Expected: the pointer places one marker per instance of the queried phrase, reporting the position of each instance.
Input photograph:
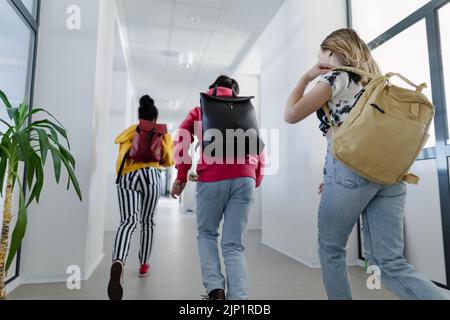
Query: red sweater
(253, 167)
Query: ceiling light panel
(195, 17)
(157, 12)
(189, 39)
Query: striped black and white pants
(138, 193)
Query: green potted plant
(28, 142)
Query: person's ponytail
(147, 109)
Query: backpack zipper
(377, 107)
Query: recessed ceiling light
(195, 20)
(186, 60)
(175, 105)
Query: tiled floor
(175, 271)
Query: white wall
(72, 82)
(289, 47)
(100, 134)
(122, 115)
(249, 84)
(248, 76)
(120, 103)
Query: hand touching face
(317, 70)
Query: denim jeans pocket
(208, 190)
(245, 189)
(346, 177)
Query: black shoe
(115, 287)
(218, 295)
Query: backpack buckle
(411, 179)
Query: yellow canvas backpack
(385, 131)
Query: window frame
(33, 24)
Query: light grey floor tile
(175, 272)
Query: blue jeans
(231, 201)
(346, 197)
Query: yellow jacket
(125, 141)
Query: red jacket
(253, 167)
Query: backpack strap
(358, 72)
(411, 179)
(151, 134)
(419, 88)
(216, 89)
(328, 114)
(121, 168)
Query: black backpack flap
(223, 113)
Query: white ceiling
(156, 31)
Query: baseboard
(359, 263)
(309, 265)
(13, 285)
(92, 267)
(39, 280)
(62, 278)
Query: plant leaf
(53, 132)
(6, 123)
(37, 110)
(14, 170)
(3, 167)
(73, 178)
(43, 144)
(37, 189)
(19, 230)
(5, 150)
(30, 173)
(34, 165)
(24, 144)
(66, 154)
(23, 110)
(56, 163)
(60, 129)
(5, 100)
(12, 112)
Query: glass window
(407, 53)
(422, 198)
(31, 5)
(444, 18)
(16, 43)
(17, 40)
(371, 18)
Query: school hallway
(175, 270)
(90, 63)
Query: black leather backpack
(230, 113)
